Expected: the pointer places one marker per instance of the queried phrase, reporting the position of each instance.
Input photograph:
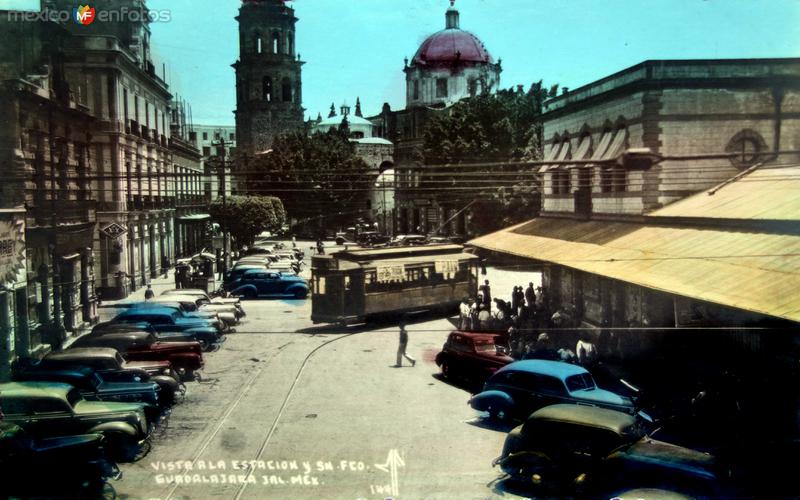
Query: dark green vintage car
(75, 466)
(569, 450)
(51, 409)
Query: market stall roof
(743, 269)
(767, 193)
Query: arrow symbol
(393, 461)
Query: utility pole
(222, 166)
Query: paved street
(323, 414)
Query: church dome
(451, 45)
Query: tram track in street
(222, 421)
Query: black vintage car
(52, 409)
(569, 450)
(110, 364)
(94, 388)
(70, 465)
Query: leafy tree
(319, 178)
(501, 127)
(247, 216)
(488, 127)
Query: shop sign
(114, 230)
(12, 249)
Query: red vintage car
(473, 356)
(137, 345)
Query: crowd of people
(524, 320)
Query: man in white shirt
(464, 312)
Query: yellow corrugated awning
(758, 272)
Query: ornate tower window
(257, 42)
(286, 90)
(276, 43)
(266, 89)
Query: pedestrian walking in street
(401, 348)
(294, 242)
(473, 313)
(149, 294)
(486, 290)
(484, 318)
(320, 247)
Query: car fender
(441, 357)
(244, 290)
(189, 360)
(491, 399)
(166, 381)
(297, 286)
(107, 427)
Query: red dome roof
(449, 46)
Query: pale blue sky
(356, 47)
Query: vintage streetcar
(354, 286)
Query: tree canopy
(488, 127)
(502, 127)
(319, 177)
(245, 217)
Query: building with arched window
(268, 81)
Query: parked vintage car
(408, 239)
(238, 270)
(185, 336)
(109, 363)
(170, 323)
(257, 283)
(70, 466)
(203, 294)
(522, 387)
(138, 345)
(50, 409)
(471, 356)
(94, 388)
(229, 313)
(209, 318)
(597, 453)
(283, 268)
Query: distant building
(268, 75)
(212, 141)
(449, 65)
(376, 152)
(680, 208)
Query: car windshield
(485, 348)
(582, 382)
(74, 397)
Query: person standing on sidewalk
(149, 294)
(401, 348)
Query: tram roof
(400, 251)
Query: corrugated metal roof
(758, 272)
(768, 193)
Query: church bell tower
(268, 85)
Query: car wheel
(445, 369)
(250, 294)
(497, 414)
(123, 447)
(300, 294)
